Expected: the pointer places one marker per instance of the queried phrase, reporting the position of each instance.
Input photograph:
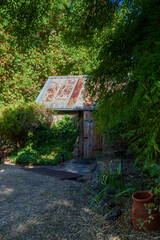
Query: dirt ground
(38, 207)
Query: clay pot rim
(142, 200)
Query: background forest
(116, 43)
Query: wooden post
(81, 134)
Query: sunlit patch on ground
(5, 191)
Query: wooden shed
(66, 94)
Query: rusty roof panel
(75, 93)
(65, 93)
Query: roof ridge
(68, 76)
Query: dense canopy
(117, 43)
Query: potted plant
(145, 213)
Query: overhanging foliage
(126, 78)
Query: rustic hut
(66, 94)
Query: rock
(114, 215)
(93, 166)
(83, 179)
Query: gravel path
(34, 206)
(38, 207)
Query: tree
(22, 18)
(26, 62)
(125, 81)
(22, 74)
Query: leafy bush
(28, 127)
(29, 155)
(46, 143)
(61, 135)
(17, 121)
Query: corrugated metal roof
(65, 93)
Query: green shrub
(29, 155)
(61, 136)
(46, 143)
(17, 121)
(28, 127)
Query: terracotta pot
(140, 213)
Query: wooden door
(92, 145)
